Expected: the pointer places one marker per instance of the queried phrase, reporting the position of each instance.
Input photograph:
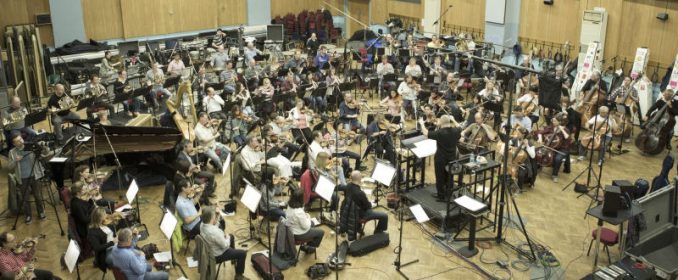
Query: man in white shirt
(413, 69)
(220, 58)
(176, 66)
(384, 68)
(601, 123)
(518, 119)
(253, 158)
(214, 104)
(220, 244)
(251, 51)
(315, 148)
(207, 137)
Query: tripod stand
(398, 250)
(30, 183)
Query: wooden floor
(553, 218)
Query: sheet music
(224, 167)
(123, 208)
(168, 224)
(425, 148)
(132, 191)
(191, 262)
(419, 213)
(470, 204)
(58, 159)
(250, 198)
(163, 256)
(315, 149)
(383, 173)
(71, 256)
(325, 188)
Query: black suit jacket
(97, 239)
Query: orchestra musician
(271, 70)
(185, 207)
(521, 167)
(101, 98)
(595, 82)
(413, 69)
(156, 78)
(266, 90)
(251, 51)
(518, 118)
(242, 97)
(603, 125)
(229, 78)
(91, 187)
(100, 237)
(252, 73)
(625, 95)
(478, 134)
(107, 69)
(237, 125)
(219, 39)
(669, 99)
(281, 128)
(191, 155)
(214, 104)
(349, 112)
(312, 44)
(299, 223)
(492, 95)
(26, 169)
(59, 113)
(556, 136)
(320, 145)
(301, 118)
(20, 262)
(206, 133)
(384, 68)
(81, 208)
(220, 59)
(429, 117)
(394, 107)
(253, 158)
(447, 135)
(132, 262)
(332, 81)
(317, 101)
(435, 43)
(175, 66)
(121, 88)
(296, 62)
(322, 58)
(220, 244)
(340, 149)
(530, 104)
(275, 158)
(437, 69)
(355, 194)
(289, 88)
(409, 90)
(380, 138)
(14, 121)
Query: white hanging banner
(673, 82)
(586, 70)
(640, 62)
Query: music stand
(85, 103)
(251, 198)
(403, 52)
(171, 81)
(167, 225)
(261, 57)
(35, 117)
(347, 86)
(71, 257)
(383, 174)
(390, 78)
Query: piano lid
(124, 139)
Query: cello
(546, 153)
(656, 134)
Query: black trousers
(43, 274)
(442, 178)
(240, 256)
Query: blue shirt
(320, 60)
(186, 208)
(132, 264)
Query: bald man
(447, 135)
(365, 211)
(61, 114)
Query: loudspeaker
(625, 186)
(612, 201)
(548, 2)
(43, 19)
(662, 16)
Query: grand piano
(146, 154)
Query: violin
(195, 190)
(27, 244)
(113, 218)
(386, 125)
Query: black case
(260, 264)
(368, 244)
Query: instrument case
(658, 242)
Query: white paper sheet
(163, 256)
(425, 148)
(83, 139)
(469, 204)
(325, 188)
(167, 225)
(419, 213)
(72, 254)
(250, 198)
(132, 191)
(383, 173)
(227, 162)
(123, 208)
(314, 222)
(58, 159)
(191, 262)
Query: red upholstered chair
(608, 238)
(117, 274)
(302, 243)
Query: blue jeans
(381, 217)
(155, 275)
(216, 159)
(131, 105)
(558, 160)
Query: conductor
(447, 137)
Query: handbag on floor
(260, 263)
(368, 244)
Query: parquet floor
(553, 218)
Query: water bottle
(472, 158)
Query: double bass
(656, 134)
(589, 104)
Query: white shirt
(414, 71)
(213, 103)
(108, 232)
(215, 239)
(251, 158)
(528, 98)
(205, 136)
(383, 69)
(175, 67)
(297, 221)
(601, 122)
(406, 91)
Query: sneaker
(555, 179)
(580, 158)
(600, 162)
(129, 114)
(28, 220)
(42, 216)
(362, 168)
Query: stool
(302, 243)
(608, 237)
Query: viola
(27, 244)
